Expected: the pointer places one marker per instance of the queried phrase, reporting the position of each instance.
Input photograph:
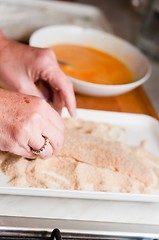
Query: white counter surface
(145, 213)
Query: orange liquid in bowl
(92, 65)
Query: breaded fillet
(106, 154)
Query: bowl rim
(134, 83)
(97, 85)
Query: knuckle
(45, 56)
(20, 132)
(33, 119)
(49, 52)
(37, 111)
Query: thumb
(30, 88)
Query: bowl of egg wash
(98, 63)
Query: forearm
(4, 60)
(3, 40)
(1, 34)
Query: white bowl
(117, 47)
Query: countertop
(109, 211)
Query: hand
(21, 66)
(24, 120)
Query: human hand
(21, 66)
(25, 121)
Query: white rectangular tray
(138, 127)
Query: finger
(38, 142)
(60, 81)
(58, 102)
(56, 137)
(23, 151)
(54, 119)
(46, 153)
(31, 89)
(69, 98)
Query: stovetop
(19, 228)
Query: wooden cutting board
(135, 101)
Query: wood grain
(135, 101)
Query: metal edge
(78, 226)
